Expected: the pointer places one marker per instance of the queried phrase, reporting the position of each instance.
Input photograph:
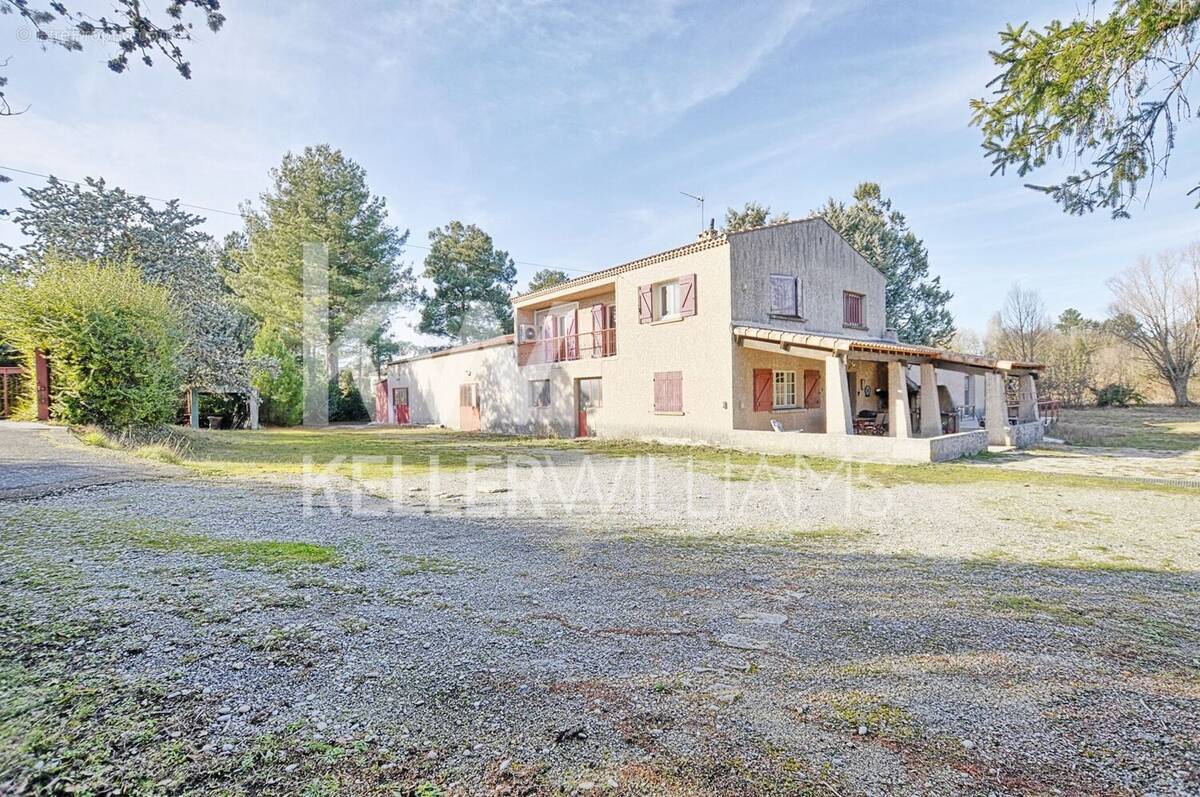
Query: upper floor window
(668, 300)
(785, 295)
(852, 309)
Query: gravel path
(482, 635)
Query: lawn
(1155, 428)
(380, 453)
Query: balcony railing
(579, 346)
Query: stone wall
(1025, 434)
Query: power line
(239, 215)
(155, 198)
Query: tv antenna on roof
(699, 199)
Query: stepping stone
(742, 642)
(762, 618)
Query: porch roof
(890, 349)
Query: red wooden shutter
(645, 304)
(812, 390)
(687, 295)
(598, 330)
(764, 380)
(668, 391)
(852, 308)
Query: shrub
(345, 399)
(1118, 395)
(112, 339)
(281, 388)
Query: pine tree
(319, 196)
(916, 302)
(472, 283)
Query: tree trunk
(1179, 385)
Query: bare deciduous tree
(1156, 308)
(1022, 327)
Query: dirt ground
(568, 620)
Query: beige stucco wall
(433, 384)
(744, 417)
(699, 346)
(826, 265)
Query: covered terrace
(901, 426)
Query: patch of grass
(349, 453)
(1111, 563)
(1028, 607)
(382, 454)
(1150, 428)
(244, 553)
(857, 710)
(159, 452)
(96, 438)
(411, 565)
(826, 533)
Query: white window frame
(535, 390)
(794, 312)
(661, 291)
(777, 383)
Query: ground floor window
(668, 391)
(785, 390)
(539, 392)
(589, 393)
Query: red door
(587, 401)
(381, 407)
(400, 401)
(41, 367)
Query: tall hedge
(112, 338)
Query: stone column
(899, 420)
(194, 407)
(1028, 410)
(996, 411)
(931, 408)
(837, 397)
(253, 409)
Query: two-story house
(772, 339)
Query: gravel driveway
(480, 636)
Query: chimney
(710, 233)
(890, 334)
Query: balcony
(567, 348)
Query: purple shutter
(548, 342)
(668, 391)
(687, 295)
(572, 336)
(598, 312)
(645, 304)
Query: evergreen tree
(546, 278)
(916, 302)
(472, 282)
(750, 216)
(319, 196)
(1105, 91)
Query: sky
(568, 130)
